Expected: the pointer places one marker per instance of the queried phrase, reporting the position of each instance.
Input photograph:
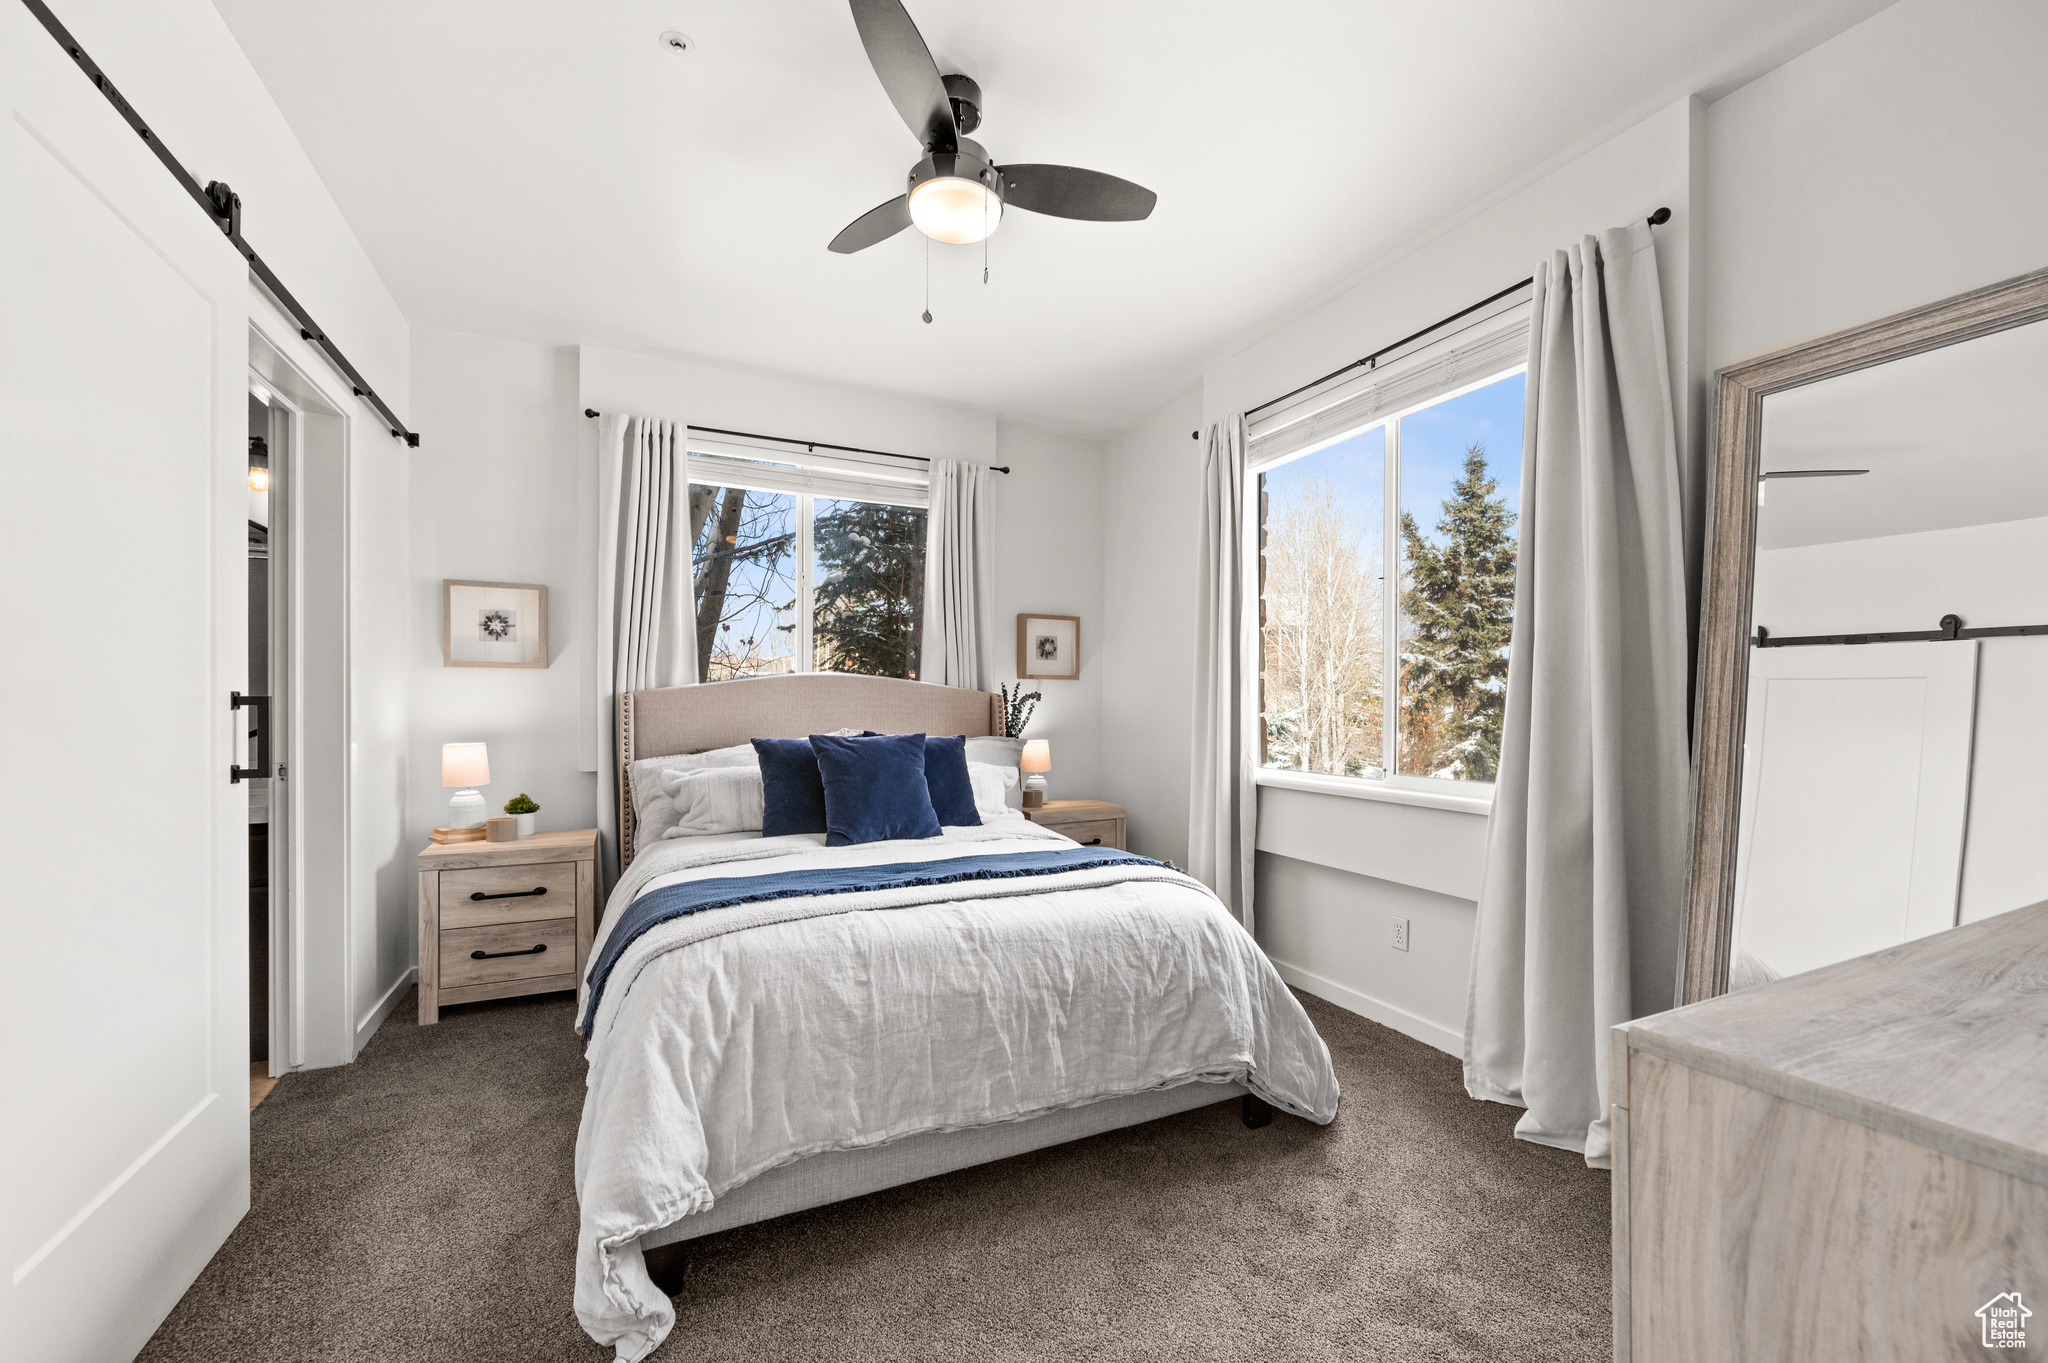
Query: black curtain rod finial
(1660, 217)
(590, 411)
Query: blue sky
(1433, 445)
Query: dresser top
(1943, 1040)
(577, 845)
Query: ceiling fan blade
(907, 72)
(877, 224)
(1070, 192)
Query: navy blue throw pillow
(945, 776)
(792, 795)
(874, 788)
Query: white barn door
(123, 362)
(1855, 797)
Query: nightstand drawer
(1093, 832)
(508, 952)
(508, 894)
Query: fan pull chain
(927, 281)
(984, 238)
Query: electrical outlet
(1400, 934)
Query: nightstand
(1092, 823)
(505, 918)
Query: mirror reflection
(1895, 762)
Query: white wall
(1990, 575)
(510, 497)
(177, 63)
(498, 501)
(1152, 488)
(1895, 165)
(1047, 524)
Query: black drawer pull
(1093, 842)
(489, 955)
(512, 894)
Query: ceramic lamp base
(466, 809)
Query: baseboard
(1366, 1006)
(367, 1028)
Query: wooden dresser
(1846, 1164)
(505, 918)
(1092, 823)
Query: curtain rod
(1657, 219)
(808, 444)
(224, 207)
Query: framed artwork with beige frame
(1049, 647)
(493, 624)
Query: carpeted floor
(419, 1205)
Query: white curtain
(1222, 803)
(646, 629)
(956, 575)
(1581, 909)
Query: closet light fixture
(259, 464)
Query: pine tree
(1459, 607)
(868, 605)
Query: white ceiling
(1952, 437)
(548, 171)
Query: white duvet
(732, 1041)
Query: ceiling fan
(955, 193)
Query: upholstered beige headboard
(679, 719)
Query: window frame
(731, 463)
(1395, 786)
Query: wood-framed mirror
(1873, 641)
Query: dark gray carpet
(419, 1204)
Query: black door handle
(512, 894)
(1093, 842)
(261, 733)
(490, 955)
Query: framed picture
(493, 624)
(1049, 646)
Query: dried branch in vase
(1017, 710)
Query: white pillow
(653, 814)
(991, 790)
(1000, 752)
(713, 800)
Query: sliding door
(123, 350)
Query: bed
(948, 1002)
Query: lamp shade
(1037, 755)
(465, 764)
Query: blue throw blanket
(695, 896)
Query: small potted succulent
(525, 808)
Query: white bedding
(736, 1040)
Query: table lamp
(465, 765)
(1036, 763)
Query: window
(790, 579)
(1425, 498)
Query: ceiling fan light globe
(955, 210)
